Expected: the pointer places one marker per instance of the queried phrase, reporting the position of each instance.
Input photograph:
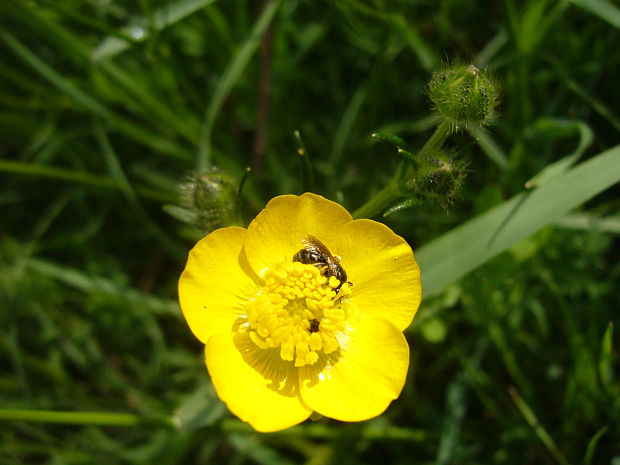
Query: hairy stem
(386, 197)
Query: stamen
(298, 311)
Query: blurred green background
(108, 106)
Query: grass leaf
(97, 284)
(552, 126)
(138, 28)
(230, 76)
(587, 460)
(601, 8)
(468, 246)
(489, 146)
(605, 365)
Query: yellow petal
(215, 283)
(251, 396)
(276, 233)
(384, 273)
(369, 373)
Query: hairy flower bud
(439, 178)
(208, 201)
(464, 96)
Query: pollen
(298, 312)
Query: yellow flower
(285, 338)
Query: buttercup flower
(284, 336)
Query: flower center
(298, 311)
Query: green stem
(435, 142)
(380, 202)
(391, 192)
(87, 418)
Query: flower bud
(439, 178)
(209, 201)
(464, 96)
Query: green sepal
(411, 202)
(396, 141)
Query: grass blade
(551, 126)
(86, 418)
(53, 77)
(489, 147)
(540, 431)
(346, 123)
(586, 222)
(605, 364)
(462, 249)
(79, 177)
(97, 284)
(587, 97)
(200, 409)
(230, 76)
(69, 44)
(604, 10)
(94, 106)
(116, 170)
(587, 460)
(409, 33)
(138, 28)
(426, 55)
(184, 123)
(456, 410)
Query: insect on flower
(285, 332)
(317, 254)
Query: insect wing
(312, 243)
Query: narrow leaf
(201, 409)
(230, 77)
(558, 126)
(604, 10)
(489, 146)
(466, 247)
(605, 363)
(97, 284)
(396, 141)
(78, 177)
(402, 206)
(88, 102)
(138, 28)
(541, 432)
(587, 222)
(587, 460)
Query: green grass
(106, 107)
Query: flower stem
(379, 203)
(86, 418)
(436, 140)
(384, 199)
